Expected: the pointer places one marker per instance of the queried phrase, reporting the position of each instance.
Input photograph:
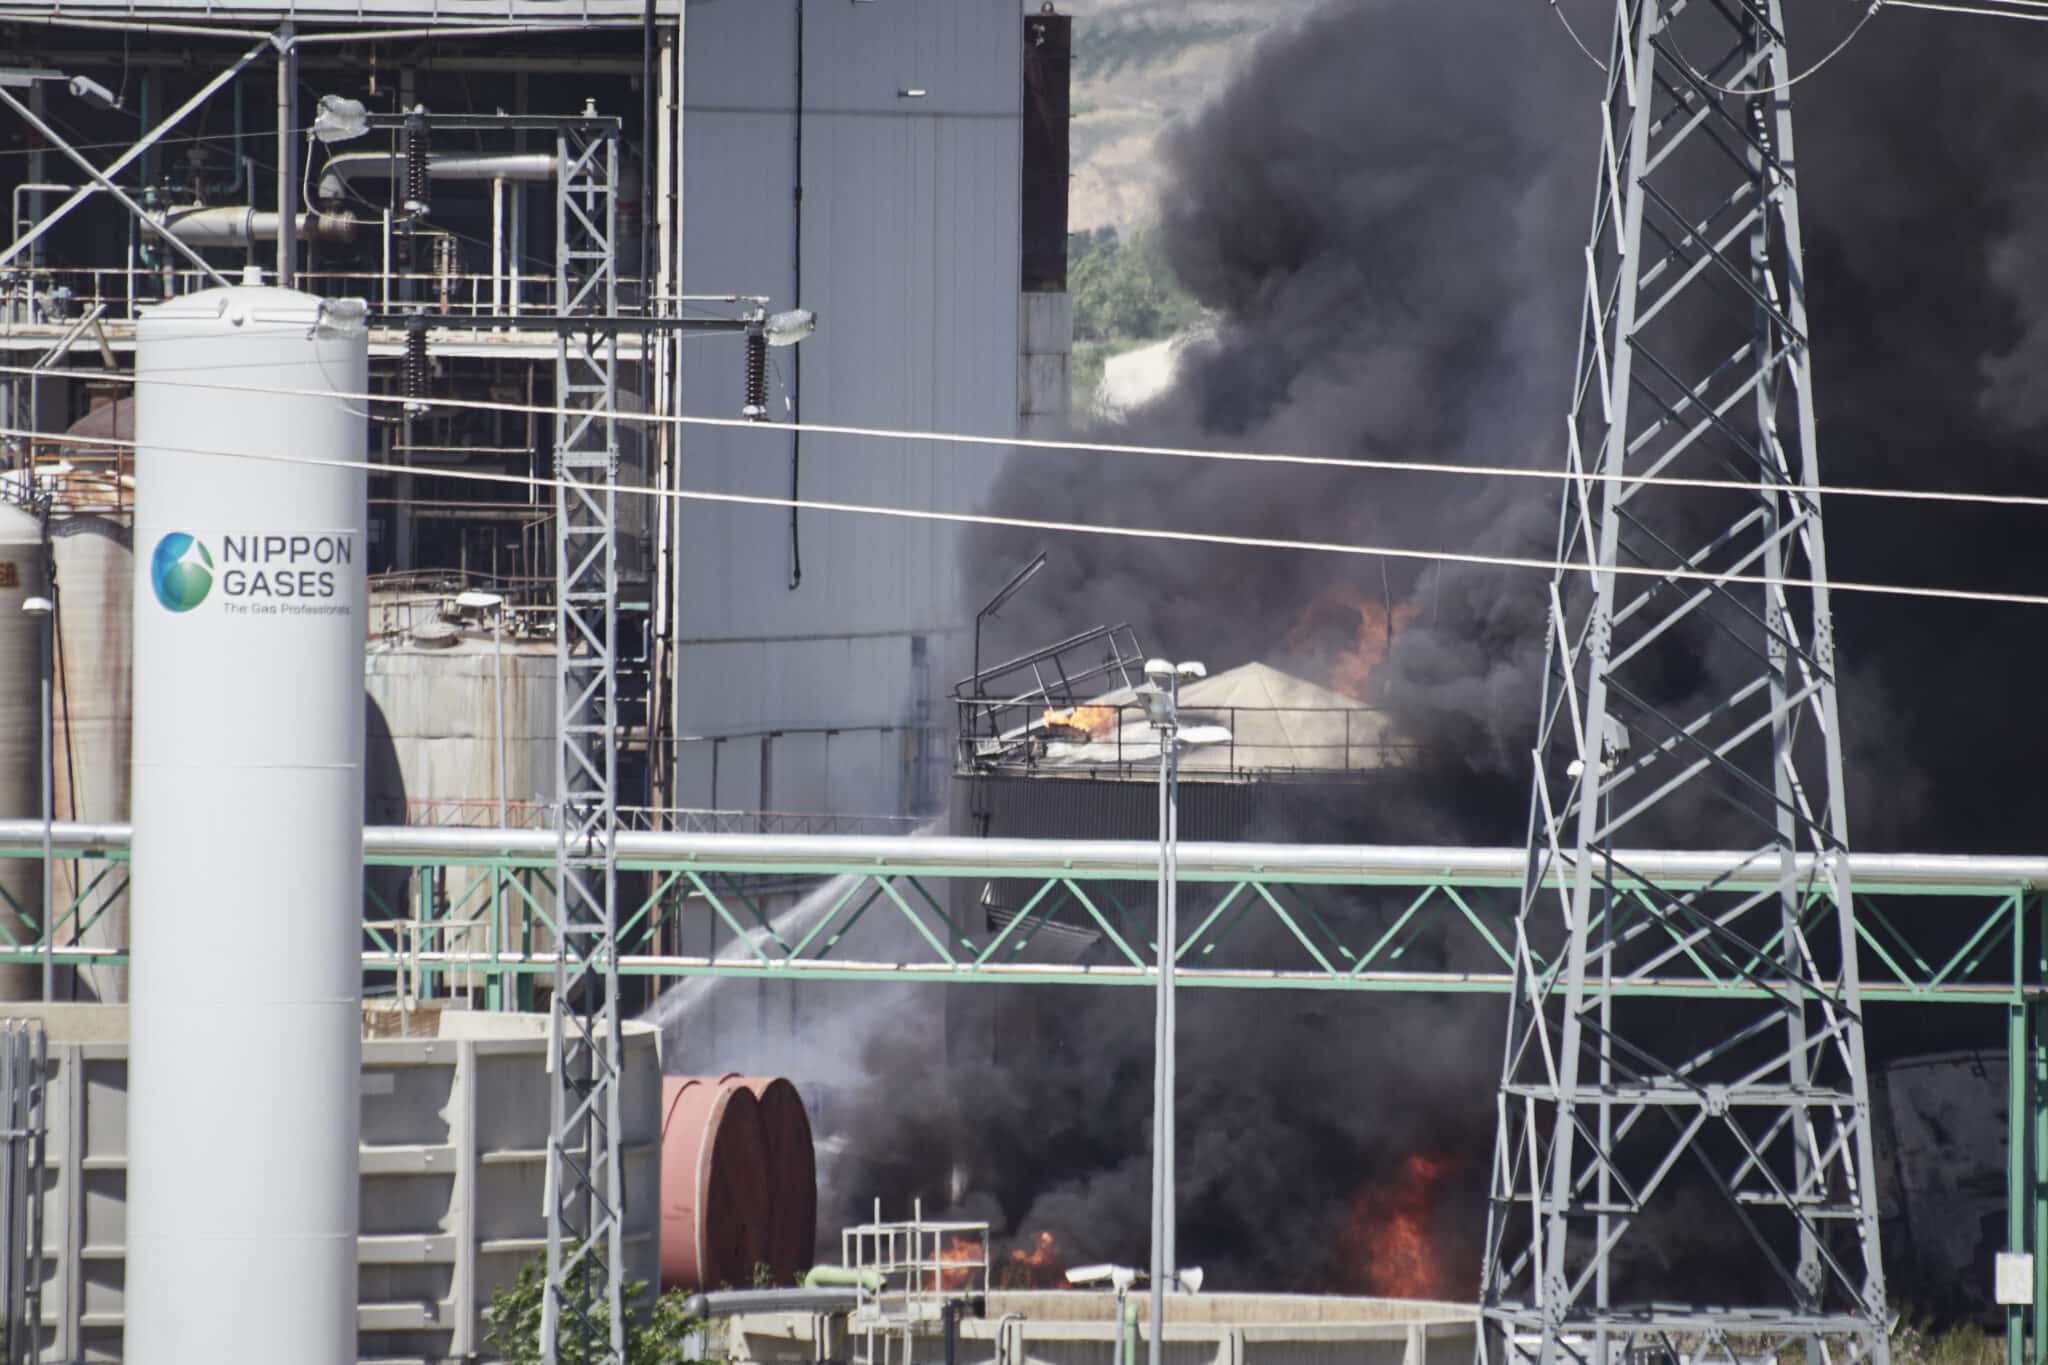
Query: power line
(1462, 557)
(2031, 13)
(1577, 41)
(1335, 462)
(1837, 50)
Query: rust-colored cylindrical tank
(715, 1209)
(792, 1176)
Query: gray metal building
(865, 159)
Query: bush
(512, 1324)
(1124, 290)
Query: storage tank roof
(262, 303)
(1276, 722)
(18, 527)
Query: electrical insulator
(417, 143)
(413, 373)
(756, 409)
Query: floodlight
(93, 93)
(1190, 1279)
(1158, 703)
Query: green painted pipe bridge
(468, 911)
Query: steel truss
(1693, 360)
(585, 1295)
(456, 911)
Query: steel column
(584, 1302)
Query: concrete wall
(909, 243)
(454, 1144)
(1072, 1328)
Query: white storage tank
(248, 743)
(21, 735)
(92, 514)
(95, 568)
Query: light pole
(1161, 698)
(43, 609)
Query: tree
(512, 1324)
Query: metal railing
(1006, 696)
(1095, 739)
(469, 813)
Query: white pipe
(498, 250)
(1133, 858)
(342, 171)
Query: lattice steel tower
(584, 1302)
(1685, 701)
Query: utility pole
(1693, 362)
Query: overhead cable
(1869, 12)
(1461, 557)
(1334, 462)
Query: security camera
(1160, 672)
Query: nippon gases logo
(181, 571)
(300, 574)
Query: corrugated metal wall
(910, 249)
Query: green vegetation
(1921, 1343)
(512, 1325)
(1124, 297)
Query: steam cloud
(1385, 211)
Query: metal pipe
(50, 135)
(453, 27)
(1169, 966)
(64, 19)
(1133, 859)
(842, 1277)
(287, 154)
(731, 1302)
(341, 171)
(1162, 1062)
(33, 187)
(498, 670)
(239, 225)
(44, 624)
(142, 145)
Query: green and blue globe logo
(181, 571)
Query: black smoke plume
(1385, 212)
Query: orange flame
(1034, 1265)
(1347, 632)
(1094, 721)
(1387, 1246)
(958, 1259)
